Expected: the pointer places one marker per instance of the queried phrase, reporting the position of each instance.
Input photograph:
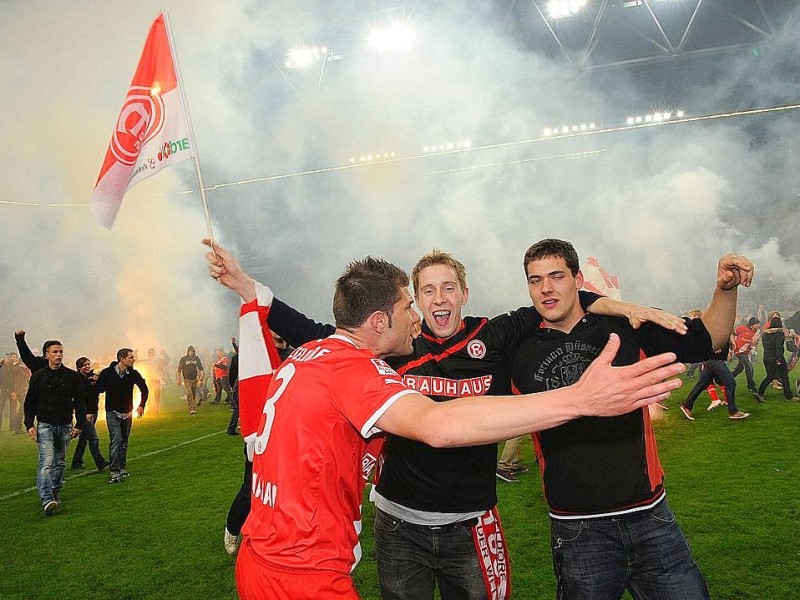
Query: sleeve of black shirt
(293, 326)
(30, 401)
(34, 363)
(79, 400)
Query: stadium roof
(607, 33)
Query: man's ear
(378, 321)
(579, 279)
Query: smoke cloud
(657, 206)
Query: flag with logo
(152, 130)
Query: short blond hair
(437, 257)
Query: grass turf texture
(732, 484)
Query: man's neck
(565, 324)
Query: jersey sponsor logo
(449, 388)
(382, 367)
(476, 349)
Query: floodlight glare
(396, 37)
(679, 114)
(299, 58)
(560, 9)
(630, 120)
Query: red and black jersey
(599, 466)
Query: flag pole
(185, 106)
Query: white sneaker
(231, 542)
(714, 404)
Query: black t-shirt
(594, 466)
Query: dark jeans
(645, 553)
(119, 430)
(88, 436)
(240, 507)
(234, 411)
(219, 385)
(777, 369)
(746, 366)
(413, 559)
(712, 368)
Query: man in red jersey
(332, 395)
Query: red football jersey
(321, 406)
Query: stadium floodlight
(560, 9)
(303, 56)
(394, 37)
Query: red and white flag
(152, 130)
(596, 279)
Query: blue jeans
(746, 366)
(88, 436)
(119, 430)
(52, 441)
(412, 559)
(645, 553)
(720, 370)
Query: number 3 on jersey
(268, 417)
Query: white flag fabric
(152, 130)
(597, 279)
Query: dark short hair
(81, 361)
(48, 343)
(367, 285)
(123, 352)
(775, 322)
(553, 248)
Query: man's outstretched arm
(602, 390)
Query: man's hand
(643, 314)
(19, 332)
(226, 269)
(91, 418)
(32, 433)
(75, 432)
(139, 412)
(734, 270)
(607, 391)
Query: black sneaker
(103, 466)
(77, 467)
(517, 469)
(506, 475)
(758, 396)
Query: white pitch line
(94, 471)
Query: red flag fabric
(152, 130)
(258, 359)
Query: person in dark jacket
(89, 431)
(117, 381)
(773, 341)
(54, 394)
